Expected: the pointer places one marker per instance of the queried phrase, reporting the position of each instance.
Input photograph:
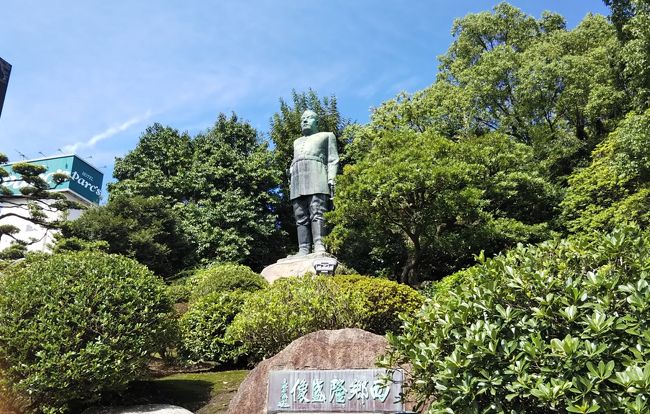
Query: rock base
(340, 349)
(297, 266)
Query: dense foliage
(221, 184)
(225, 278)
(290, 308)
(439, 201)
(385, 301)
(138, 227)
(75, 325)
(632, 20)
(557, 92)
(204, 325)
(562, 327)
(615, 188)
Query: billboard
(5, 71)
(85, 180)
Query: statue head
(309, 122)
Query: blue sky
(89, 76)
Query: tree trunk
(413, 260)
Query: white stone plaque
(335, 391)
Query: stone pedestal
(298, 266)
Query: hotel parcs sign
(85, 180)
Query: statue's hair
(311, 112)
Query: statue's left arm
(332, 158)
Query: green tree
(157, 166)
(631, 18)
(615, 187)
(633, 21)
(440, 201)
(621, 12)
(36, 202)
(285, 128)
(555, 89)
(143, 228)
(221, 184)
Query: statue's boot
(304, 241)
(317, 231)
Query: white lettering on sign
(335, 391)
(88, 185)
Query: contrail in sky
(106, 134)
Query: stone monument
(313, 173)
(344, 357)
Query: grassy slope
(203, 393)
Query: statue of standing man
(313, 171)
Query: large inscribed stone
(341, 349)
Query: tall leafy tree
(554, 89)
(221, 184)
(632, 20)
(437, 202)
(143, 228)
(157, 166)
(621, 13)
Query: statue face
(309, 123)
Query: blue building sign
(85, 180)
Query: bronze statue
(313, 171)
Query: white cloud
(107, 133)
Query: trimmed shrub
(179, 291)
(204, 325)
(343, 269)
(562, 327)
(290, 308)
(439, 290)
(75, 325)
(225, 277)
(180, 286)
(385, 301)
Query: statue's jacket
(315, 163)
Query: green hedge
(385, 301)
(204, 325)
(562, 327)
(75, 325)
(224, 277)
(290, 308)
